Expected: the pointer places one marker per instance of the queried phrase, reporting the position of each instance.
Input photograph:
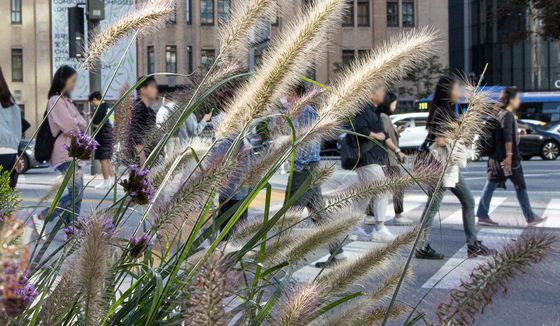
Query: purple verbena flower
(81, 146)
(16, 291)
(138, 185)
(139, 244)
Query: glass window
(151, 58)
(363, 12)
(420, 122)
(171, 58)
(363, 52)
(189, 59)
(17, 65)
(223, 10)
(207, 56)
(348, 19)
(392, 14)
(15, 11)
(207, 12)
(347, 57)
(408, 14)
(172, 18)
(188, 12)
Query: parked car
(29, 161)
(534, 140)
(415, 130)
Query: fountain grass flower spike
(138, 185)
(81, 146)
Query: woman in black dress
(104, 137)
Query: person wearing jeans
(504, 161)
(72, 199)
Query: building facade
(508, 41)
(190, 38)
(25, 55)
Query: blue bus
(541, 106)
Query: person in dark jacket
(104, 136)
(442, 114)
(143, 121)
(373, 159)
(505, 161)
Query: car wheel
(25, 160)
(550, 150)
(526, 157)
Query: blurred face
(70, 84)
(455, 93)
(378, 96)
(149, 92)
(393, 106)
(515, 102)
(95, 102)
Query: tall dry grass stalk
(490, 278)
(247, 229)
(149, 15)
(92, 259)
(346, 274)
(213, 284)
(65, 294)
(289, 56)
(298, 305)
(385, 64)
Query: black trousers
(225, 205)
(398, 195)
(312, 198)
(7, 162)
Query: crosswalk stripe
(553, 213)
(458, 267)
(457, 216)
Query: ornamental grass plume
(289, 57)
(138, 185)
(491, 277)
(147, 16)
(298, 305)
(383, 65)
(121, 126)
(92, 265)
(347, 273)
(81, 146)
(246, 229)
(213, 284)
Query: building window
(363, 52)
(347, 57)
(17, 65)
(16, 11)
(171, 58)
(188, 11)
(348, 19)
(392, 14)
(363, 13)
(207, 56)
(408, 14)
(207, 12)
(189, 57)
(151, 55)
(223, 10)
(172, 18)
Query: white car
(415, 133)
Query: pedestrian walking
(64, 119)
(441, 114)
(396, 157)
(504, 161)
(10, 132)
(373, 160)
(143, 121)
(104, 136)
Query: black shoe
(428, 253)
(328, 263)
(478, 249)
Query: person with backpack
(63, 119)
(104, 137)
(441, 116)
(504, 161)
(10, 132)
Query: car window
(402, 122)
(420, 122)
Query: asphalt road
(532, 298)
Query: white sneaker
(382, 235)
(369, 220)
(101, 185)
(38, 224)
(109, 183)
(403, 221)
(359, 234)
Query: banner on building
(126, 75)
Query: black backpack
(44, 144)
(490, 139)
